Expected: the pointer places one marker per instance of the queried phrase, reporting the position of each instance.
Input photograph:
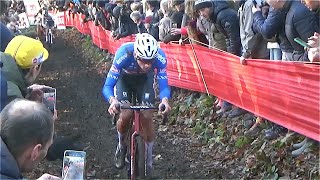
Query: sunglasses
(146, 61)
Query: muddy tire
(140, 157)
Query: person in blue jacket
(133, 71)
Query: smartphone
(302, 43)
(49, 98)
(174, 25)
(73, 165)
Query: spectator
(111, 17)
(190, 27)
(22, 61)
(175, 22)
(13, 26)
(254, 46)
(270, 28)
(102, 17)
(136, 17)
(153, 7)
(126, 26)
(178, 5)
(164, 24)
(227, 22)
(225, 19)
(26, 134)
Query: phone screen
(73, 164)
(49, 98)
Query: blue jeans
(275, 54)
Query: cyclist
(44, 21)
(133, 70)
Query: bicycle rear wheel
(140, 160)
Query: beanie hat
(27, 51)
(135, 15)
(177, 2)
(199, 4)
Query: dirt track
(82, 111)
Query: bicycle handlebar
(162, 108)
(137, 107)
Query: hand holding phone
(73, 165)
(49, 98)
(302, 43)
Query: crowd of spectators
(11, 16)
(250, 29)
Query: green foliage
(242, 141)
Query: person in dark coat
(176, 20)
(226, 20)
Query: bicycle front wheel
(140, 160)
(49, 40)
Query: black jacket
(227, 22)
(8, 168)
(126, 27)
(300, 22)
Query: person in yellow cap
(22, 60)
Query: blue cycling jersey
(124, 62)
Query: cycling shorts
(141, 84)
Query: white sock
(149, 147)
(120, 139)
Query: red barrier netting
(286, 93)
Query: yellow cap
(27, 51)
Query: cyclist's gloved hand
(113, 106)
(164, 102)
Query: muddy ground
(83, 111)
(178, 154)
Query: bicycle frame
(135, 125)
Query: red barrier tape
(286, 93)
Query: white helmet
(145, 46)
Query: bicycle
(137, 150)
